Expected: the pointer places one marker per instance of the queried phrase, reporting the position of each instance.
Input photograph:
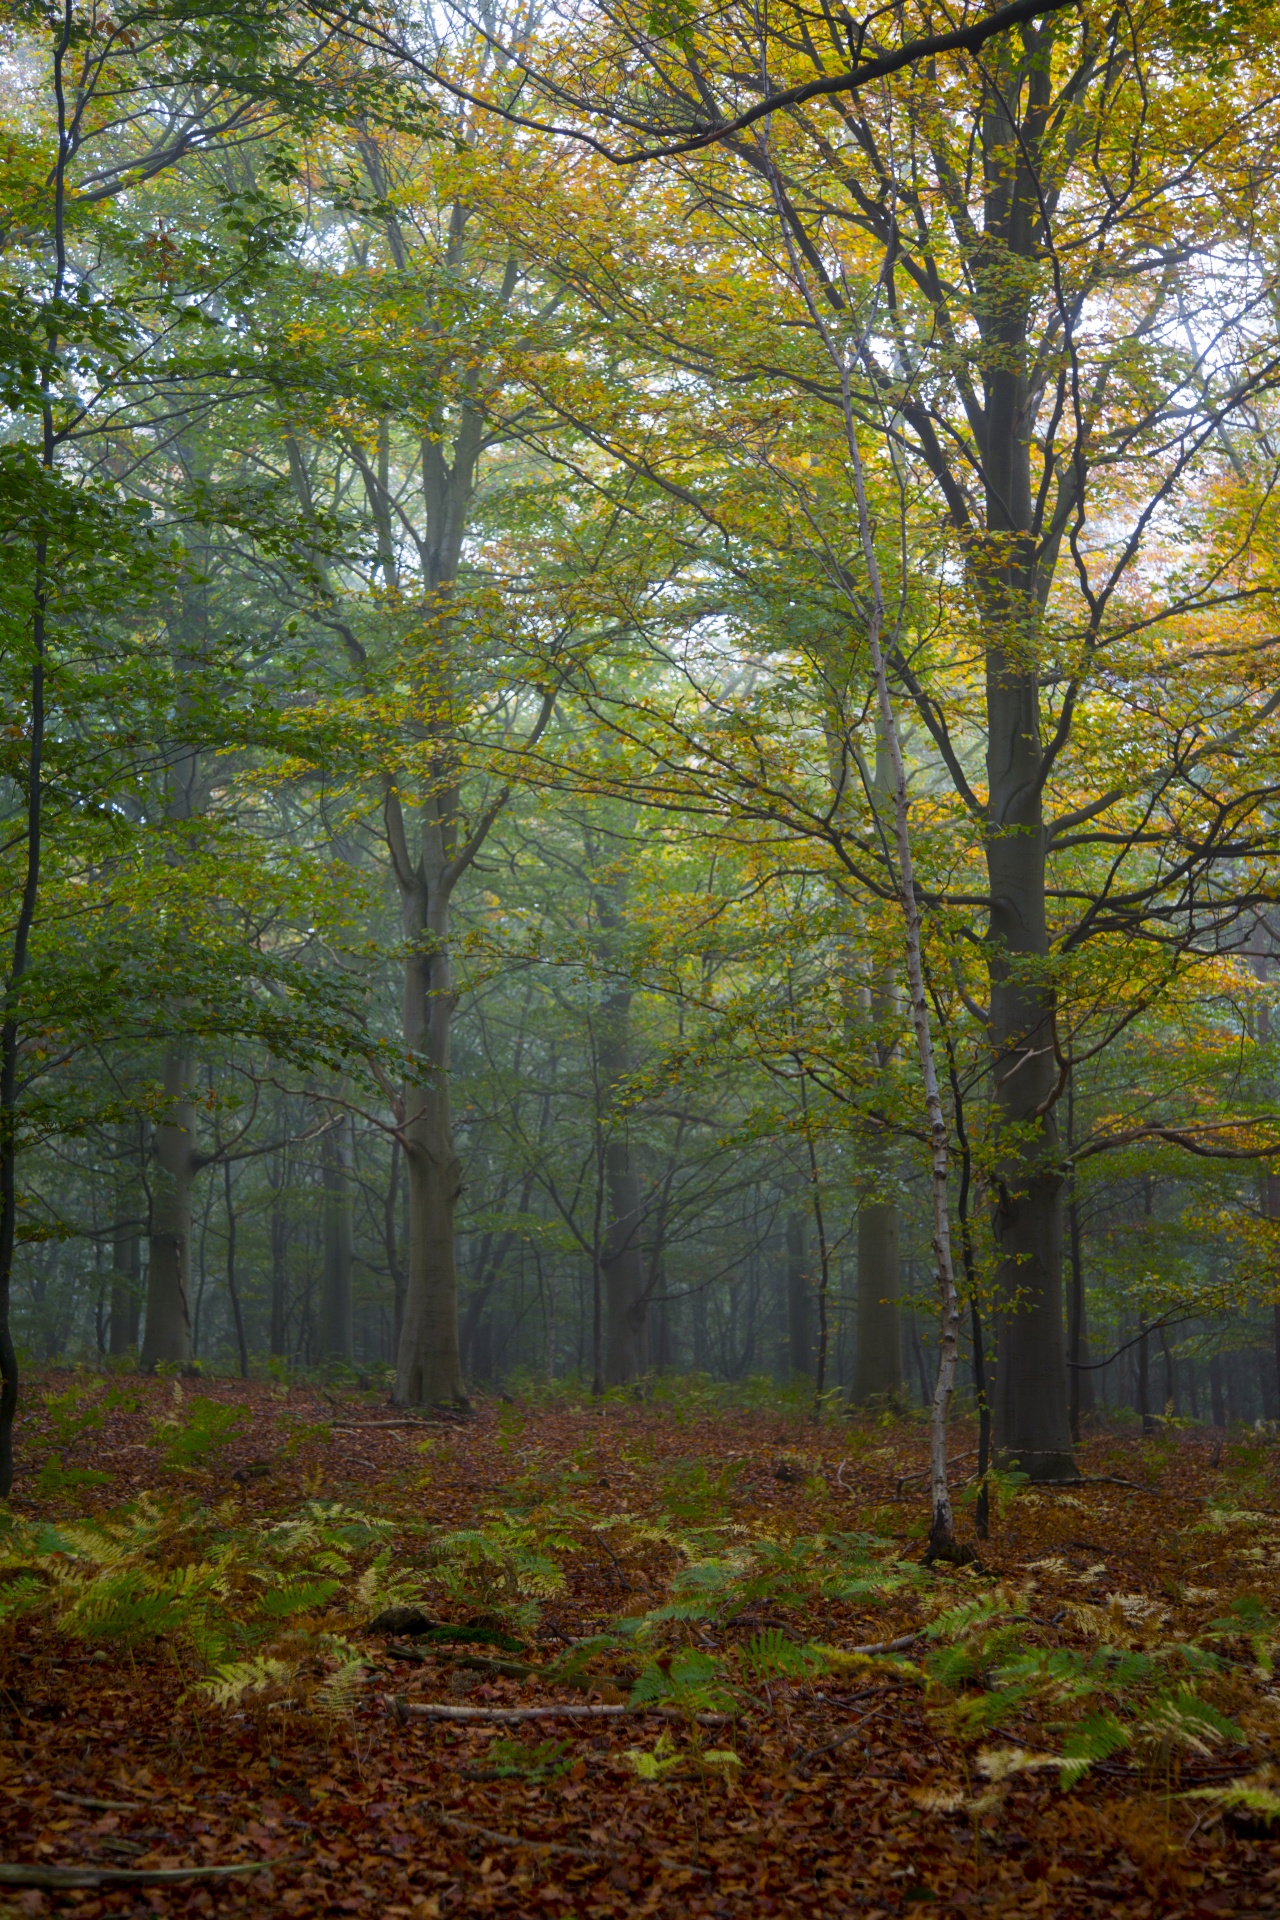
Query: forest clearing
(698, 1569)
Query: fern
(301, 1596)
(1096, 1738)
(230, 1684)
(771, 1655)
(655, 1764)
(1183, 1719)
(210, 1429)
(1250, 1620)
(537, 1762)
(1254, 1795)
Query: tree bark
(799, 1298)
(126, 1248)
(335, 1305)
(429, 1362)
(625, 1293)
(167, 1339)
(877, 1372)
(279, 1254)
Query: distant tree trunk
(1170, 1374)
(429, 1365)
(1080, 1385)
(799, 1297)
(391, 1237)
(625, 1309)
(233, 1289)
(660, 1342)
(1144, 1381)
(168, 1337)
(126, 1247)
(1271, 1207)
(701, 1332)
(335, 1303)
(1217, 1399)
(279, 1335)
(878, 1363)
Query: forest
(640, 831)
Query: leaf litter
(801, 1719)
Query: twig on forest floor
(373, 1426)
(816, 1753)
(100, 1806)
(507, 1669)
(922, 1473)
(403, 1710)
(886, 1646)
(92, 1876)
(494, 1838)
(481, 1662)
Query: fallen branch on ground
(496, 1839)
(403, 1710)
(100, 1806)
(507, 1669)
(885, 1646)
(816, 1753)
(91, 1876)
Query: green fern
(300, 1596)
(1094, 1739)
(772, 1656)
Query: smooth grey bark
(878, 1357)
(126, 1247)
(877, 1374)
(167, 1339)
(336, 1341)
(799, 1297)
(279, 1234)
(429, 1360)
(622, 1265)
(233, 1284)
(1011, 567)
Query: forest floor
(755, 1776)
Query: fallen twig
(372, 1426)
(91, 1876)
(404, 1710)
(885, 1646)
(496, 1839)
(816, 1753)
(922, 1473)
(481, 1662)
(100, 1806)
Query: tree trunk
(279, 1252)
(624, 1287)
(1144, 1381)
(625, 1291)
(126, 1249)
(233, 1287)
(168, 1337)
(335, 1304)
(877, 1372)
(1217, 1399)
(429, 1363)
(799, 1298)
